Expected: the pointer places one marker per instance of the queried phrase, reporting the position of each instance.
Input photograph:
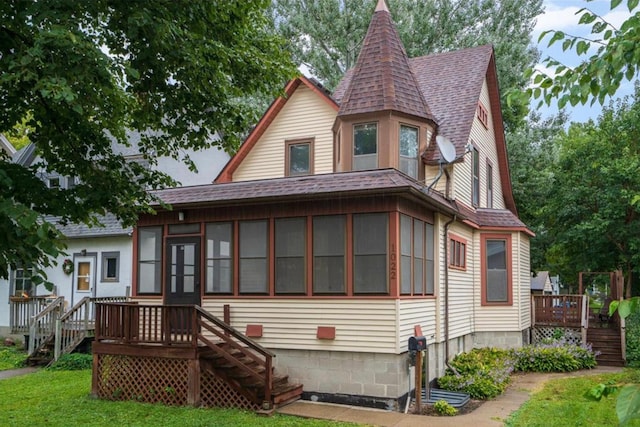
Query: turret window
(365, 146)
(409, 150)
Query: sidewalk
(490, 414)
(15, 372)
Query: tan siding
(305, 115)
(416, 312)
(461, 288)
(525, 280)
(361, 325)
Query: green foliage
(633, 339)
(628, 404)
(556, 357)
(442, 407)
(82, 76)
(482, 373)
(598, 76)
(327, 35)
(72, 362)
(11, 358)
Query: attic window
(299, 157)
(483, 115)
(54, 182)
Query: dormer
(384, 120)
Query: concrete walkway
(490, 414)
(16, 372)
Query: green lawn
(11, 358)
(61, 398)
(564, 403)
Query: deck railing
(184, 325)
(558, 310)
(22, 310)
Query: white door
(84, 278)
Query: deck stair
(606, 340)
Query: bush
(558, 356)
(633, 339)
(442, 407)
(72, 362)
(11, 358)
(481, 373)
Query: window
(483, 115)
(329, 254)
(298, 158)
(365, 146)
(22, 285)
(53, 182)
(409, 151)
(475, 197)
(219, 257)
(489, 186)
(457, 252)
(83, 276)
(416, 257)
(72, 182)
(496, 268)
(254, 271)
(370, 253)
(110, 266)
(149, 260)
(290, 255)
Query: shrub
(633, 339)
(11, 358)
(442, 407)
(72, 362)
(481, 373)
(558, 356)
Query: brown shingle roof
(493, 219)
(381, 181)
(382, 78)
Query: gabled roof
(111, 227)
(26, 155)
(493, 219)
(452, 84)
(269, 116)
(382, 79)
(538, 282)
(311, 187)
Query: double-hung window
(149, 260)
(475, 192)
(409, 150)
(496, 268)
(22, 285)
(299, 157)
(219, 239)
(365, 146)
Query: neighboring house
(6, 147)
(329, 239)
(541, 284)
(101, 256)
(555, 285)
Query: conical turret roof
(382, 78)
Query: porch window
(149, 260)
(299, 157)
(489, 186)
(219, 257)
(365, 146)
(457, 252)
(475, 196)
(416, 257)
(329, 243)
(409, 150)
(405, 254)
(110, 266)
(290, 255)
(496, 267)
(254, 271)
(370, 253)
(22, 285)
(429, 265)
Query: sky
(561, 15)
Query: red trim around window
(457, 252)
(483, 268)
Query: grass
(61, 398)
(11, 358)
(564, 403)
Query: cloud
(557, 18)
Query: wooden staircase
(607, 341)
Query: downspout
(446, 294)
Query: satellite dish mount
(447, 155)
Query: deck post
(94, 376)
(58, 339)
(193, 382)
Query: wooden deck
(559, 310)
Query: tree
(533, 155)
(84, 74)
(591, 212)
(326, 35)
(598, 76)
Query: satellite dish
(447, 149)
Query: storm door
(183, 271)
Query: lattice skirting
(541, 333)
(162, 380)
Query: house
(339, 229)
(541, 284)
(99, 258)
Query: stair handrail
(69, 334)
(228, 332)
(43, 325)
